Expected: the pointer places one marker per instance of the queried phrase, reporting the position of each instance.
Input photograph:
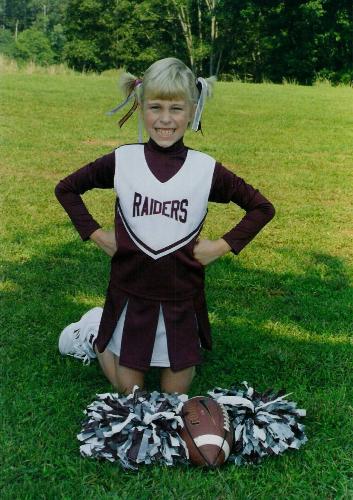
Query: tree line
(250, 40)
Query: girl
(155, 312)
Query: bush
(227, 77)
(34, 45)
(345, 76)
(83, 55)
(7, 43)
(57, 40)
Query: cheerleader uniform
(155, 312)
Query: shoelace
(81, 348)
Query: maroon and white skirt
(145, 332)
(160, 356)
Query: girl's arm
(105, 240)
(226, 187)
(97, 174)
(206, 251)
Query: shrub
(34, 45)
(82, 55)
(228, 77)
(7, 43)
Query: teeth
(165, 132)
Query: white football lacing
(226, 421)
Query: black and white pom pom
(264, 424)
(141, 428)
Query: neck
(174, 148)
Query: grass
(281, 311)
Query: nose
(165, 117)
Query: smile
(165, 132)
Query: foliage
(7, 43)
(139, 43)
(34, 45)
(57, 41)
(90, 32)
(252, 40)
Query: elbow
(271, 211)
(268, 211)
(58, 191)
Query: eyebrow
(176, 103)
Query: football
(207, 431)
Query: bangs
(163, 88)
(166, 94)
(169, 79)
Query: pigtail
(131, 88)
(211, 80)
(166, 78)
(129, 83)
(205, 90)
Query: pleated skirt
(145, 332)
(160, 356)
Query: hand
(206, 251)
(105, 240)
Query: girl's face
(166, 121)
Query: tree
(91, 33)
(182, 9)
(16, 15)
(57, 41)
(146, 31)
(7, 43)
(215, 52)
(253, 39)
(335, 42)
(202, 25)
(34, 45)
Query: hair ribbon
(133, 108)
(201, 84)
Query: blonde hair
(168, 79)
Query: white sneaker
(77, 339)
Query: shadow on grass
(267, 326)
(270, 329)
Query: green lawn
(281, 311)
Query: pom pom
(141, 428)
(264, 424)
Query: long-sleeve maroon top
(164, 163)
(177, 276)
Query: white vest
(161, 217)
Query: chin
(165, 143)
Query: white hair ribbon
(140, 128)
(200, 103)
(132, 95)
(121, 105)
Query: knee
(125, 388)
(177, 381)
(126, 379)
(178, 387)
